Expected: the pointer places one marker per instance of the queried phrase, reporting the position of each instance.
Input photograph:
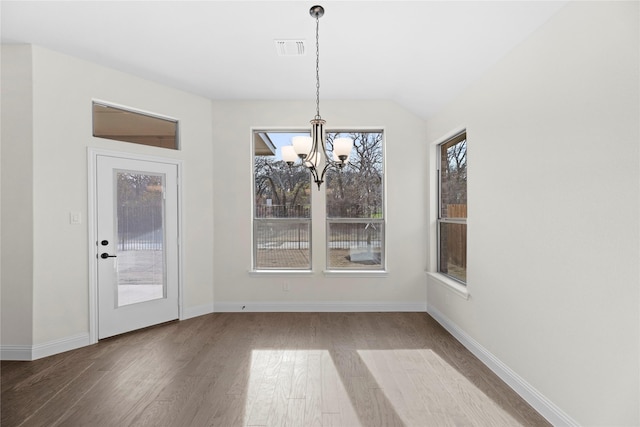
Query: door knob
(105, 255)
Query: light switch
(75, 218)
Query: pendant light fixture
(312, 151)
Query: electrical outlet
(75, 218)
(285, 287)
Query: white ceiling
(417, 53)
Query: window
(355, 205)
(354, 210)
(131, 126)
(282, 206)
(452, 208)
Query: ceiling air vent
(290, 47)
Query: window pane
(280, 191)
(131, 126)
(453, 250)
(355, 245)
(141, 266)
(453, 178)
(355, 191)
(283, 193)
(282, 244)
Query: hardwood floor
(266, 369)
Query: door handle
(105, 255)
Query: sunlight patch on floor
(420, 386)
(345, 386)
(296, 387)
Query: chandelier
(312, 150)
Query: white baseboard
(60, 346)
(201, 310)
(336, 306)
(15, 352)
(38, 351)
(544, 406)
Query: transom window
(133, 126)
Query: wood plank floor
(266, 369)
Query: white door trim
(92, 224)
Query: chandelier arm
(314, 174)
(324, 171)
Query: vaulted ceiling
(417, 53)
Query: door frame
(92, 226)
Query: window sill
(356, 273)
(280, 272)
(450, 284)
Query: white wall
(405, 153)
(553, 227)
(553, 203)
(17, 202)
(63, 88)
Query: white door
(137, 243)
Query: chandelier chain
(317, 67)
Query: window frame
(318, 214)
(382, 269)
(256, 220)
(452, 140)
